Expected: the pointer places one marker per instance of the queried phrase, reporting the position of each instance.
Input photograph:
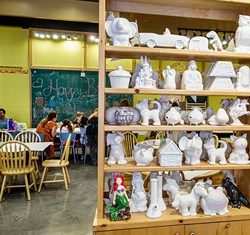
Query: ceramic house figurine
(243, 79)
(218, 76)
(169, 78)
(186, 204)
(198, 43)
(143, 157)
(120, 208)
(192, 149)
(216, 42)
(147, 113)
(173, 116)
(191, 78)
(120, 30)
(216, 153)
(144, 75)
(138, 202)
(239, 154)
(242, 35)
(153, 209)
(117, 152)
(119, 78)
(169, 154)
(237, 109)
(145, 78)
(219, 119)
(196, 116)
(215, 202)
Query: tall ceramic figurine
(169, 78)
(191, 78)
(242, 36)
(120, 208)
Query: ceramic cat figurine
(214, 153)
(242, 36)
(147, 114)
(239, 154)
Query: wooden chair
(5, 136)
(62, 163)
(160, 135)
(15, 159)
(28, 137)
(129, 142)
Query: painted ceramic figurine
(216, 153)
(147, 113)
(239, 154)
(192, 149)
(215, 202)
(191, 78)
(138, 202)
(236, 198)
(117, 152)
(120, 208)
(186, 204)
(120, 30)
(169, 78)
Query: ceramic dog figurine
(117, 151)
(147, 114)
(239, 154)
(214, 153)
(236, 198)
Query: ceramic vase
(160, 201)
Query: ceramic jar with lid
(119, 78)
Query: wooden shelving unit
(237, 221)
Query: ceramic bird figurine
(173, 116)
(196, 117)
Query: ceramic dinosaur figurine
(236, 198)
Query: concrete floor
(53, 211)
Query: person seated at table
(48, 127)
(78, 118)
(3, 119)
(66, 126)
(83, 137)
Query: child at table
(66, 126)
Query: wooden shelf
(174, 92)
(154, 166)
(169, 217)
(175, 54)
(176, 128)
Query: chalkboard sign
(67, 92)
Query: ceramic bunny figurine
(169, 78)
(215, 202)
(219, 119)
(196, 117)
(239, 154)
(138, 201)
(120, 30)
(173, 116)
(147, 114)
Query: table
(36, 146)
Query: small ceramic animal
(186, 204)
(147, 114)
(215, 202)
(216, 42)
(143, 157)
(169, 78)
(219, 119)
(165, 106)
(120, 30)
(196, 117)
(173, 116)
(239, 154)
(215, 153)
(192, 149)
(117, 152)
(236, 198)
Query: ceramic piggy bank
(173, 117)
(143, 157)
(215, 203)
(196, 117)
(120, 30)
